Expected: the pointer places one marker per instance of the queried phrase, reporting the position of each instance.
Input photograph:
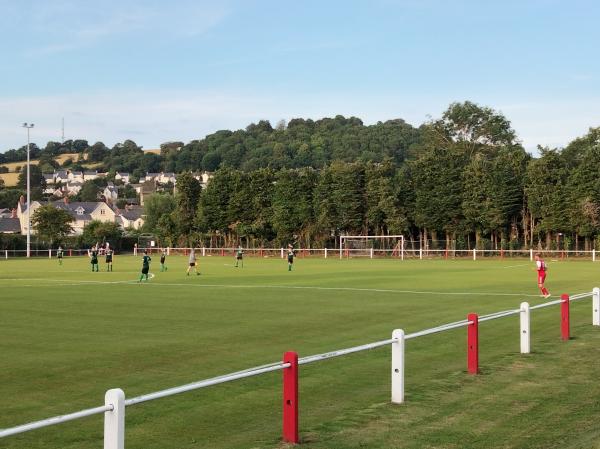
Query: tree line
(463, 180)
(466, 182)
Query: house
(61, 176)
(204, 177)
(144, 189)
(6, 213)
(165, 178)
(131, 217)
(123, 177)
(110, 193)
(76, 176)
(73, 188)
(49, 178)
(82, 213)
(89, 175)
(10, 226)
(151, 177)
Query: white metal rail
(113, 403)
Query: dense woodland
(463, 180)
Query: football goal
(372, 246)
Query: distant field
(10, 179)
(67, 335)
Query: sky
(158, 71)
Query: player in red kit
(541, 275)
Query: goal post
(371, 246)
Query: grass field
(67, 335)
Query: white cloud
(71, 25)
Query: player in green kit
(290, 257)
(239, 256)
(145, 266)
(94, 258)
(109, 259)
(59, 255)
(163, 257)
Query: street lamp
(28, 127)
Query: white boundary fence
(115, 402)
(326, 253)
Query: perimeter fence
(115, 402)
(328, 253)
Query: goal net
(372, 246)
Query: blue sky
(155, 71)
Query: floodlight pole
(28, 127)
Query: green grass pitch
(67, 335)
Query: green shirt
(146, 261)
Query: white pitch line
(514, 266)
(286, 287)
(75, 282)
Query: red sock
(545, 291)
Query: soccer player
(59, 255)
(192, 262)
(163, 257)
(290, 257)
(239, 256)
(145, 266)
(109, 258)
(94, 258)
(541, 274)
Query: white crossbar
(329, 355)
(55, 420)
(205, 383)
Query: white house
(82, 213)
(132, 217)
(76, 176)
(89, 175)
(123, 177)
(165, 178)
(110, 193)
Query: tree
(51, 223)
(101, 231)
(437, 177)
(36, 178)
(89, 191)
(156, 206)
(10, 197)
(473, 127)
(188, 198)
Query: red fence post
(290, 398)
(564, 317)
(473, 344)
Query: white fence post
(168, 250)
(398, 367)
(421, 253)
(371, 253)
(596, 306)
(114, 421)
(530, 253)
(203, 251)
(474, 254)
(282, 253)
(49, 254)
(525, 318)
(6, 254)
(325, 253)
(594, 255)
